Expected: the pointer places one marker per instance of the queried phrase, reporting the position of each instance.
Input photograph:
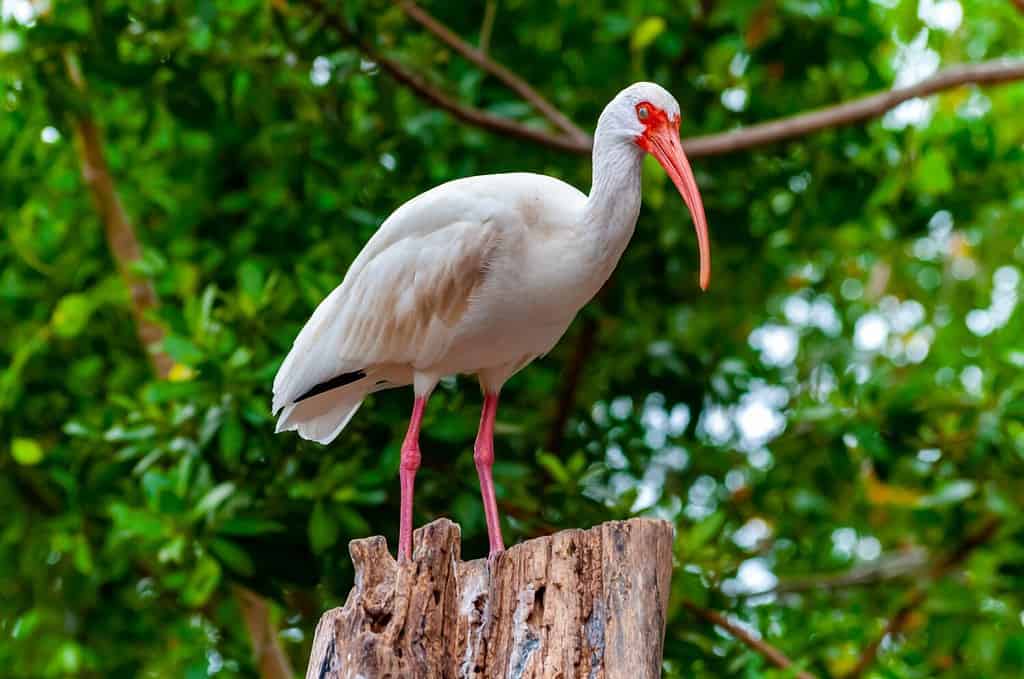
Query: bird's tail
(321, 418)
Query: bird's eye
(642, 112)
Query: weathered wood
(580, 604)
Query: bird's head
(648, 116)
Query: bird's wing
(403, 296)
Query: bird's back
(539, 200)
(403, 298)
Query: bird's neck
(614, 201)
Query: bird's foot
(493, 558)
(404, 551)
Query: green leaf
(949, 493)
(182, 350)
(213, 499)
(323, 528)
(26, 451)
(152, 263)
(173, 551)
(71, 315)
(352, 520)
(231, 438)
(201, 583)
(75, 428)
(646, 32)
(376, 496)
(248, 526)
(119, 433)
(136, 523)
(82, 556)
(690, 587)
(66, 661)
(888, 190)
(932, 175)
(154, 483)
(703, 532)
(251, 280)
(232, 556)
(163, 391)
(1013, 652)
(554, 467)
(26, 625)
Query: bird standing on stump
(480, 275)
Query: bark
(992, 72)
(917, 596)
(511, 80)
(120, 233)
(577, 604)
(126, 250)
(753, 641)
(270, 657)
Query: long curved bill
(669, 152)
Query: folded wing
(399, 306)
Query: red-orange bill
(667, 149)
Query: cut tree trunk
(580, 604)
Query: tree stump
(579, 604)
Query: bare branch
(985, 73)
(487, 27)
(918, 595)
(124, 245)
(429, 93)
(991, 72)
(507, 77)
(270, 657)
(766, 650)
(470, 114)
(888, 567)
(126, 251)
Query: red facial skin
(660, 138)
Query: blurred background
(836, 428)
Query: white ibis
(480, 276)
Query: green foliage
(848, 392)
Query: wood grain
(579, 604)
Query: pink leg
(407, 476)
(483, 455)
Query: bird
(478, 276)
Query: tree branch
(918, 595)
(270, 657)
(766, 650)
(1019, 4)
(507, 77)
(991, 72)
(468, 114)
(126, 251)
(487, 27)
(124, 246)
(890, 567)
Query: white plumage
(478, 275)
(444, 287)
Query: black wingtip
(333, 383)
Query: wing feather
(403, 297)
